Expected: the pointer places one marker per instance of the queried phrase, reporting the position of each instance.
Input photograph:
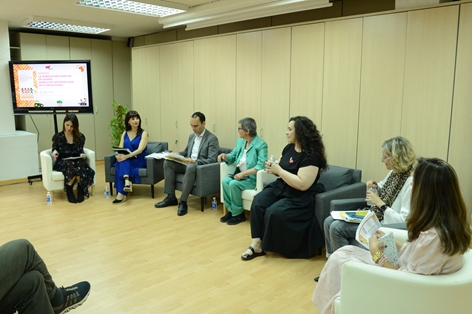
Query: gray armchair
(207, 181)
(340, 183)
(152, 174)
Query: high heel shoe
(128, 187)
(116, 202)
(70, 194)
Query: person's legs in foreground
(261, 202)
(27, 286)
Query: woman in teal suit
(249, 154)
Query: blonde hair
(401, 153)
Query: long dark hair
(129, 115)
(436, 202)
(310, 139)
(75, 127)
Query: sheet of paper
(353, 216)
(72, 158)
(367, 228)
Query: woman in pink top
(438, 232)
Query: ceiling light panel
(130, 7)
(66, 27)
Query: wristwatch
(383, 208)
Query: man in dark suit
(202, 148)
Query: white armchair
(397, 292)
(54, 180)
(247, 195)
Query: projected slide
(51, 85)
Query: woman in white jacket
(392, 202)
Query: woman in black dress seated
(282, 215)
(70, 143)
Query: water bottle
(106, 193)
(373, 189)
(272, 158)
(48, 198)
(213, 204)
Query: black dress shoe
(183, 209)
(166, 202)
(317, 278)
(236, 219)
(226, 217)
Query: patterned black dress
(75, 167)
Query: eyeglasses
(385, 158)
(239, 129)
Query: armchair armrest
(323, 200)
(155, 169)
(109, 162)
(225, 169)
(207, 179)
(263, 177)
(347, 204)
(398, 234)
(91, 161)
(46, 164)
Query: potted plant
(117, 123)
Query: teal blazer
(256, 155)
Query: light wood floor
(140, 259)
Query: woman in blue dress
(127, 165)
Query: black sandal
(247, 257)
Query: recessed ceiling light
(49, 23)
(66, 27)
(130, 7)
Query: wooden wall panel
(342, 68)
(57, 47)
(429, 78)
(275, 96)
(81, 49)
(176, 93)
(249, 76)
(383, 64)
(146, 98)
(215, 86)
(102, 80)
(122, 72)
(151, 95)
(306, 76)
(460, 150)
(33, 47)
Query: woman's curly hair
(310, 140)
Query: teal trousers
(232, 190)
